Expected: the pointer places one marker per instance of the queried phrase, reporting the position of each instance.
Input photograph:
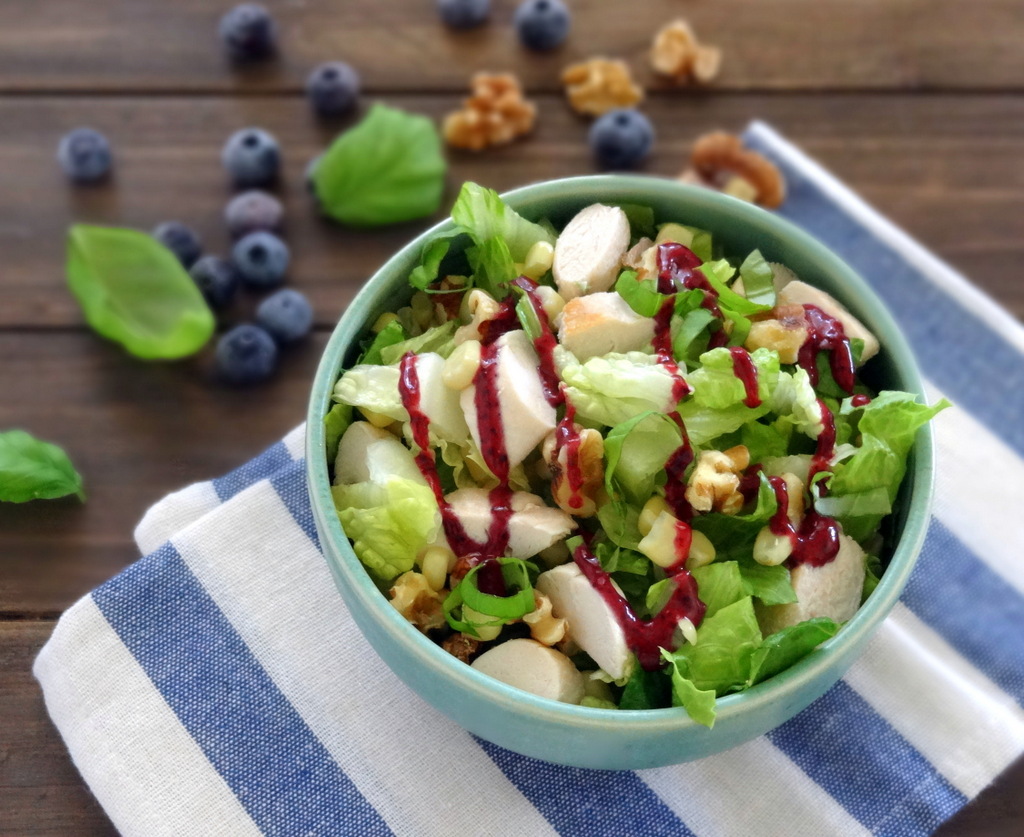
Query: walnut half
(678, 54)
(719, 159)
(600, 85)
(494, 114)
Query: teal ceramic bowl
(603, 738)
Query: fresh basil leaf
(31, 469)
(388, 168)
(134, 291)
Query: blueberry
(621, 139)
(248, 32)
(84, 154)
(217, 278)
(286, 315)
(262, 259)
(333, 88)
(251, 211)
(246, 355)
(542, 24)
(252, 157)
(180, 240)
(464, 14)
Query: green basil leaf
(31, 469)
(134, 291)
(387, 169)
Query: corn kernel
(461, 365)
(702, 551)
(422, 309)
(676, 233)
(689, 630)
(649, 513)
(539, 260)
(483, 632)
(376, 419)
(551, 301)
(434, 563)
(771, 549)
(659, 544)
(383, 321)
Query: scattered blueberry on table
(252, 157)
(246, 355)
(464, 14)
(217, 279)
(542, 24)
(248, 32)
(262, 259)
(253, 210)
(333, 88)
(621, 139)
(85, 155)
(286, 315)
(180, 240)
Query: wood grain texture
(136, 431)
(41, 793)
(920, 161)
(916, 104)
(778, 45)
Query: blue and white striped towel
(218, 686)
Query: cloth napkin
(219, 686)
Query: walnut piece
(599, 85)
(416, 601)
(494, 114)
(678, 54)
(589, 458)
(715, 481)
(719, 158)
(462, 646)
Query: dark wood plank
(920, 160)
(41, 793)
(785, 44)
(135, 431)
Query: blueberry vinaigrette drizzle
(744, 369)
(815, 542)
(645, 637)
(826, 334)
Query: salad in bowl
(609, 461)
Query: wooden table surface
(917, 104)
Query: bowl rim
(788, 683)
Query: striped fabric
(218, 686)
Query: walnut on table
(678, 54)
(599, 85)
(495, 113)
(720, 161)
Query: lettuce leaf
(391, 334)
(758, 279)
(388, 523)
(439, 339)
(719, 585)
(486, 217)
(614, 388)
(887, 428)
(719, 662)
(716, 386)
(783, 648)
(373, 387)
(636, 452)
